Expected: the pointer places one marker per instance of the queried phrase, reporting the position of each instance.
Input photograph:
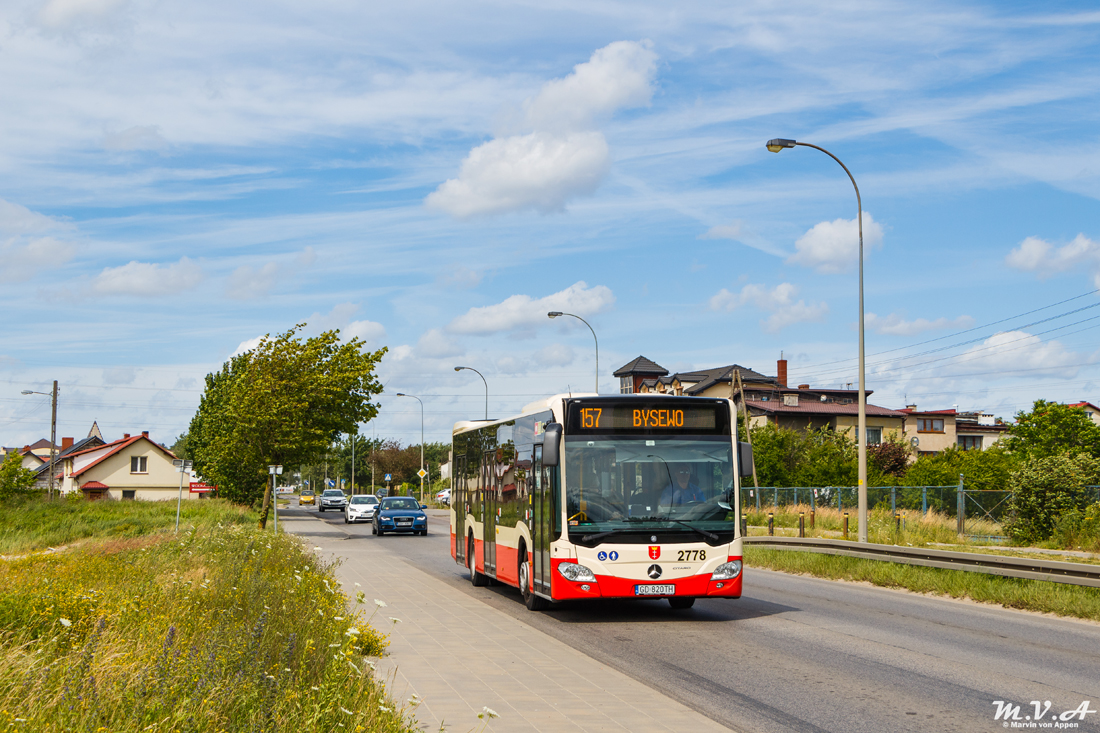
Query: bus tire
(532, 601)
(679, 602)
(477, 580)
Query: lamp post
(555, 314)
(775, 146)
(53, 431)
(183, 467)
(275, 471)
(421, 473)
(475, 371)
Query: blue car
(399, 514)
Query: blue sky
(178, 179)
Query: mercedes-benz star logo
(654, 571)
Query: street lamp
(183, 467)
(53, 431)
(775, 146)
(421, 472)
(475, 371)
(555, 314)
(275, 471)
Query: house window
(138, 464)
(129, 494)
(874, 436)
(929, 425)
(970, 442)
(626, 385)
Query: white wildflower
(65, 622)
(337, 618)
(345, 710)
(351, 632)
(383, 708)
(315, 689)
(395, 620)
(380, 604)
(358, 586)
(487, 712)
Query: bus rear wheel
(532, 601)
(477, 580)
(680, 602)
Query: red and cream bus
(626, 496)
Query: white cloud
(554, 355)
(524, 312)
(21, 257)
(148, 279)
(16, 219)
(538, 171)
(146, 137)
(119, 375)
(895, 325)
(247, 345)
(618, 76)
(435, 344)
(562, 157)
(1041, 257)
(461, 277)
(367, 331)
(833, 246)
(723, 231)
(248, 282)
(1018, 350)
(64, 15)
(779, 301)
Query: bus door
(460, 505)
(540, 536)
(489, 481)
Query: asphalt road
(803, 654)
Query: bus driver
(681, 490)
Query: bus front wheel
(532, 601)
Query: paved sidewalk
(460, 655)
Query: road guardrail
(1011, 567)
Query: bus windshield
(648, 483)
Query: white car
(444, 497)
(360, 508)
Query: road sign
(422, 473)
(389, 477)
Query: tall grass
(222, 628)
(917, 529)
(35, 523)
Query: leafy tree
(1052, 429)
(890, 457)
(829, 458)
(1045, 489)
(284, 402)
(777, 453)
(14, 479)
(180, 447)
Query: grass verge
(1029, 595)
(221, 628)
(36, 524)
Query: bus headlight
(575, 572)
(727, 570)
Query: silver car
(360, 508)
(332, 499)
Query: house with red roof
(932, 431)
(1090, 409)
(133, 467)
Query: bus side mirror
(551, 444)
(744, 458)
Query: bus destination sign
(647, 417)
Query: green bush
(1047, 490)
(1079, 529)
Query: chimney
(145, 433)
(125, 436)
(66, 443)
(803, 386)
(781, 370)
(911, 407)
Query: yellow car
(307, 497)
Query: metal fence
(956, 501)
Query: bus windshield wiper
(692, 527)
(607, 533)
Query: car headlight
(727, 570)
(573, 571)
